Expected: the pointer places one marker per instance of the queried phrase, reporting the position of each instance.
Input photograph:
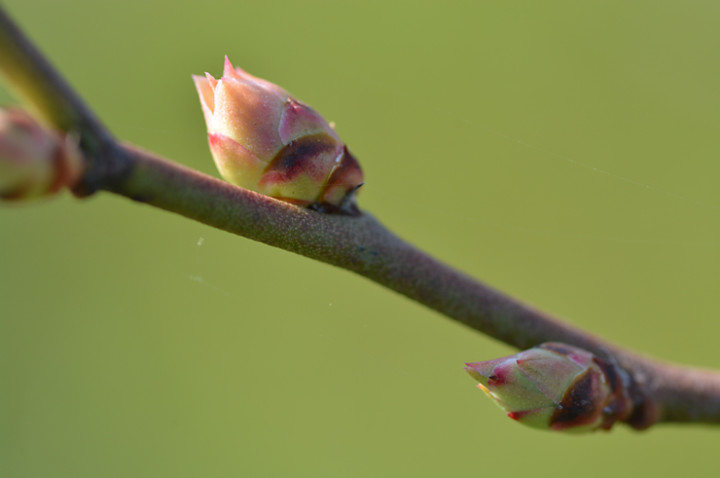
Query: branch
(360, 244)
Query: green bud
(556, 387)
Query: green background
(563, 151)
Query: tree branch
(360, 244)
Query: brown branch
(360, 244)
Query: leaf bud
(264, 140)
(556, 387)
(34, 161)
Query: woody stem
(360, 244)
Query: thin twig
(35, 79)
(360, 244)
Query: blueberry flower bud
(264, 140)
(556, 387)
(34, 161)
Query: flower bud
(557, 387)
(264, 140)
(34, 161)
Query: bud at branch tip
(34, 161)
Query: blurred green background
(565, 152)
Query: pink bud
(264, 140)
(34, 161)
(555, 386)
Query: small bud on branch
(34, 161)
(557, 387)
(264, 140)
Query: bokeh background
(565, 152)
